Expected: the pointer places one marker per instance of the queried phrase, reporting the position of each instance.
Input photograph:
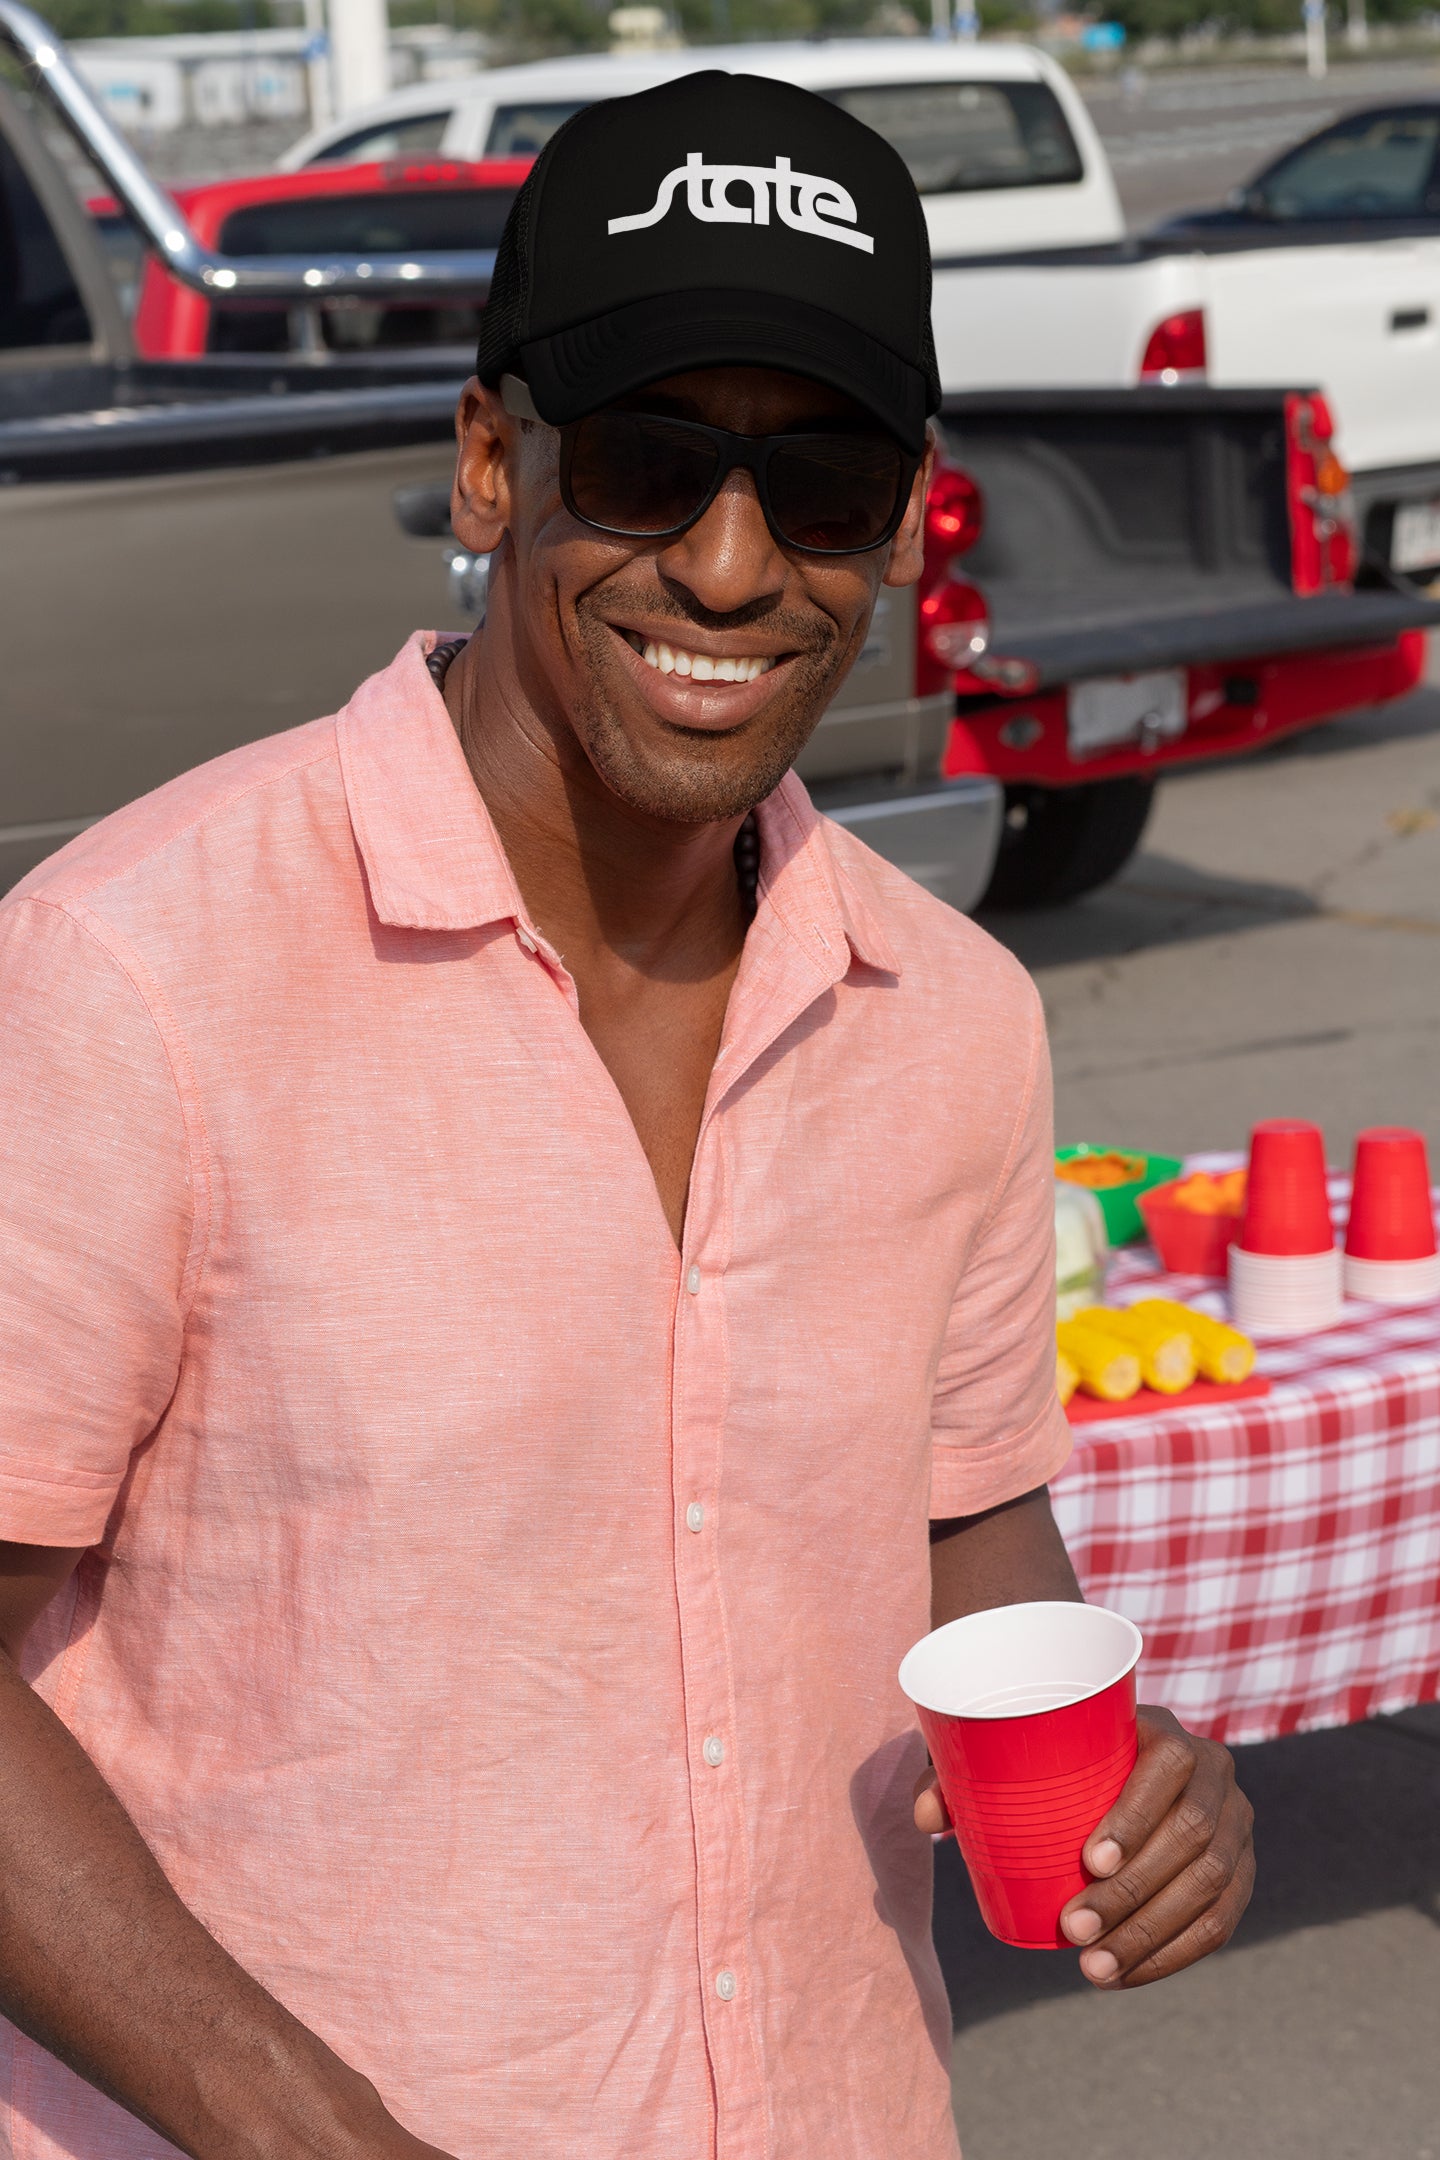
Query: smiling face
(687, 673)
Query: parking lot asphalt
(1312, 2037)
(1274, 948)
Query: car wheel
(1057, 843)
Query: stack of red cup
(1285, 1271)
(1390, 1252)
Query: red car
(388, 209)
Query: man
(501, 1253)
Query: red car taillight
(954, 626)
(1176, 349)
(954, 512)
(1324, 545)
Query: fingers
(1165, 1766)
(1174, 1862)
(1211, 1931)
(931, 1814)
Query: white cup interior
(1018, 1660)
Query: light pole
(360, 52)
(1357, 29)
(317, 64)
(1316, 60)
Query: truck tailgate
(1145, 528)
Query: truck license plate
(1415, 539)
(1115, 709)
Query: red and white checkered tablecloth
(1281, 1556)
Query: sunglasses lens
(836, 494)
(637, 473)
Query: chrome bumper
(945, 838)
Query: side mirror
(469, 582)
(425, 512)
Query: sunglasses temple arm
(515, 397)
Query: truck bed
(1141, 528)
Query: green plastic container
(1123, 1224)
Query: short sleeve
(95, 1226)
(998, 1428)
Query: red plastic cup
(1391, 1215)
(1029, 1714)
(1287, 1202)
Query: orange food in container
(1193, 1221)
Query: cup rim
(993, 1717)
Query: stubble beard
(691, 786)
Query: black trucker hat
(717, 220)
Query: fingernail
(1105, 1857)
(1099, 1965)
(1082, 1926)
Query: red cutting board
(1089, 1410)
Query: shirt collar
(432, 856)
(433, 859)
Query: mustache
(802, 632)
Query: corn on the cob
(1164, 1346)
(1107, 1367)
(1221, 1353)
(1067, 1379)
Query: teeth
(704, 667)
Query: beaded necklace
(747, 840)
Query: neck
(598, 876)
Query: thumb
(931, 1814)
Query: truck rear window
(40, 303)
(524, 130)
(386, 139)
(392, 221)
(400, 222)
(957, 137)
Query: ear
(489, 445)
(907, 549)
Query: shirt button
(692, 1282)
(695, 1516)
(714, 1751)
(725, 1985)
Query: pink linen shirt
(491, 1615)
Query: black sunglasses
(644, 476)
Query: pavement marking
(1361, 919)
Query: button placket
(698, 1406)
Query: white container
(1082, 1249)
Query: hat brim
(575, 370)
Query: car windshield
(386, 139)
(960, 136)
(524, 130)
(1374, 165)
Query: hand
(1173, 1861)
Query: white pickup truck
(1326, 272)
